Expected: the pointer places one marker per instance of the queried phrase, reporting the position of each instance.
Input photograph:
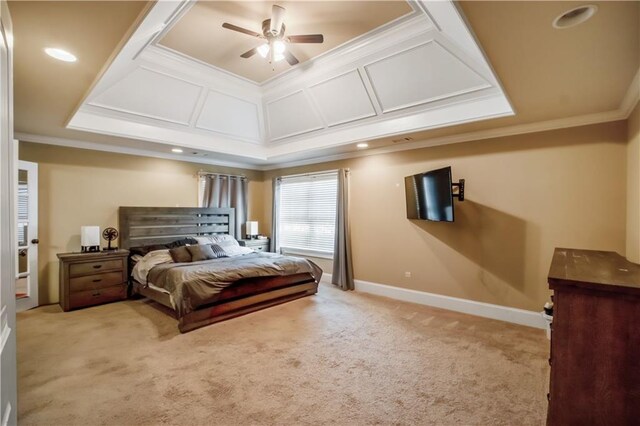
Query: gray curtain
(342, 263)
(275, 214)
(227, 191)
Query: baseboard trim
(465, 306)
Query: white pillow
(229, 244)
(217, 239)
(205, 240)
(151, 259)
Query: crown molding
(542, 126)
(632, 96)
(105, 147)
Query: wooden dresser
(595, 339)
(88, 279)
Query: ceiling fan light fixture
(279, 47)
(278, 57)
(263, 50)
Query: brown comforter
(198, 283)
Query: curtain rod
(325, 172)
(203, 173)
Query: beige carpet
(334, 358)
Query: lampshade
(90, 238)
(252, 228)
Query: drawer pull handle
(97, 266)
(97, 280)
(96, 294)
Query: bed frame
(140, 226)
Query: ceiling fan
(275, 42)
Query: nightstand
(256, 244)
(88, 279)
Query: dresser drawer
(98, 296)
(96, 281)
(88, 268)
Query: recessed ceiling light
(60, 54)
(176, 150)
(575, 16)
(363, 145)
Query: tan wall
(82, 187)
(525, 195)
(633, 186)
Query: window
(307, 213)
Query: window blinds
(307, 212)
(23, 213)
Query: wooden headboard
(140, 226)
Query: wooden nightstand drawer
(88, 268)
(97, 281)
(98, 296)
(88, 279)
(256, 244)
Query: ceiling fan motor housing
(266, 29)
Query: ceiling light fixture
(363, 145)
(263, 50)
(575, 16)
(277, 47)
(176, 150)
(60, 54)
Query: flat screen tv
(430, 196)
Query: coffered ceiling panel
(420, 75)
(151, 94)
(230, 115)
(292, 115)
(199, 33)
(343, 99)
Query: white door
(8, 388)
(27, 202)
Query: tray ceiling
(199, 34)
(542, 70)
(423, 70)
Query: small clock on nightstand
(258, 244)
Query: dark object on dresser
(110, 234)
(595, 343)
(88, 279)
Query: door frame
(31, 301)
(8, 234)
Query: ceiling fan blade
(290, 58)
(241, 30)
(307, 38)
(249, 53)
(277, 19)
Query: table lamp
(251, 229)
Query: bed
(275, 282)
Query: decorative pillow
(143, 250)
(180, 254)
(201, 252)
(219, 251)
(183, 242)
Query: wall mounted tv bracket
(460, 186)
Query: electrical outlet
(407, 274)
